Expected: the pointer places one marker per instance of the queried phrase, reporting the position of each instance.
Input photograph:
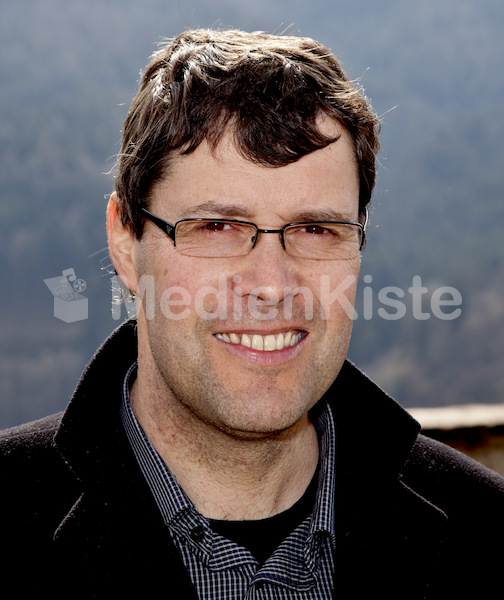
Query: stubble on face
(203, 389)
(198, 379)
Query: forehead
(326, 179)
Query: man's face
(198, 352)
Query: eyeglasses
(223, 238)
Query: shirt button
(197, 534)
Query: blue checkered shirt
(301, 568)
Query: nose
(268, 274)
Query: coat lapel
(389, 538)
(114, 533)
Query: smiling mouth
(266, 343)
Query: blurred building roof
(459, 416)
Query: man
(221, 446)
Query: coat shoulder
(31, 466)
(29, 437)
(454, 482)
(39, 485)
(472, 498)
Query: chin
(266, 424)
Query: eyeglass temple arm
(364, 227)
(366, 220)
(161, 223)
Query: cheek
(191, 290)
(177, 289)
(337, 292)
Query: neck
(231, 477)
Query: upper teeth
(262, 342)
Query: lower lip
(273, 357)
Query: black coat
(414, 519)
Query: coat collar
(372, 429)
(114, 532)
(388, 536)
(380, 521)
(90, 427)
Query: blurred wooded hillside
(434, 70)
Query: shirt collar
(323, 514)
(173, 501)
(158, 475)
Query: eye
(316, 229)
(216, 226)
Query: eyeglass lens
(329, 241)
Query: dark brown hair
(268, 89)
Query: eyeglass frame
(170, 229)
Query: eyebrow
(321, 216)
(216, 208)
(236, 210)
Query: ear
(122, 244)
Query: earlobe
(121, 243)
